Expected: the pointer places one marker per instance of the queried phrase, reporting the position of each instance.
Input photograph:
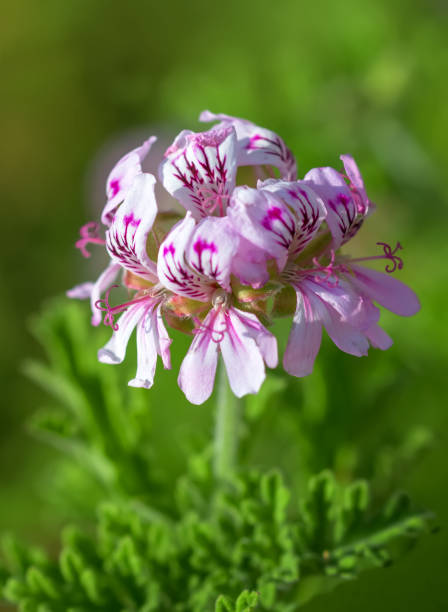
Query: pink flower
(257, 146)
(283, 218)
(199, 169)
(126, 241)
(195, 261)
(235, 260)
(344, 196)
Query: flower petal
(264, 220)
(198, 369)
(379, 338)
(212, 249)
(346, 337)
(256, 145)
(127, 236)
(342, 212)
(80, 292)
(242, 356)
(305, 337)
(347, 302)
(95, 290)
(386, 290)
(121, 177)
(266, 341)
(103, 282)
(152, 340)
(200, 170)
(115, 350)
(357, 184)
(164, 341)
(172, 268)
(249, 264)
(309, 210)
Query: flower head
(226, 269)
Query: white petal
(342, 213)
(115, 350)
(127, 236)
(80, 292)
(266, 341)
(308, 207)
(212, 249)
(198, 369)
(256, 145)
(242, 356)
(172, 268)
(200, 170)
(121, 178)
(103, 283)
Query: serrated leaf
(275, 494)
(40, 584)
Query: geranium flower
(240, 257)
(195, 262)
(200, 169)
(282, 218)
(126, 243)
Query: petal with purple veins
(126, 239)
(212, 249)
(172, 267)
(308, 207)
(121, 178)
(257, 146)
(199, 170)
(264, 220)
(342, 218)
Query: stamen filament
(89, 235)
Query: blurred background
(85, 81)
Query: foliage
(185, 542)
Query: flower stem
(226, 428)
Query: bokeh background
(83, 81)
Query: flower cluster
(239, 257)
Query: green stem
(226, 428)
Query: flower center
(220, 299)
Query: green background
(82, 81)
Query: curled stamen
(104, 306)
(396, 262)
(89, 234)
(111, 311)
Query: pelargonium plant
(221, 265)
(238, 257)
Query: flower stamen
(89, 235)
(112, 311)
(396, 261)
